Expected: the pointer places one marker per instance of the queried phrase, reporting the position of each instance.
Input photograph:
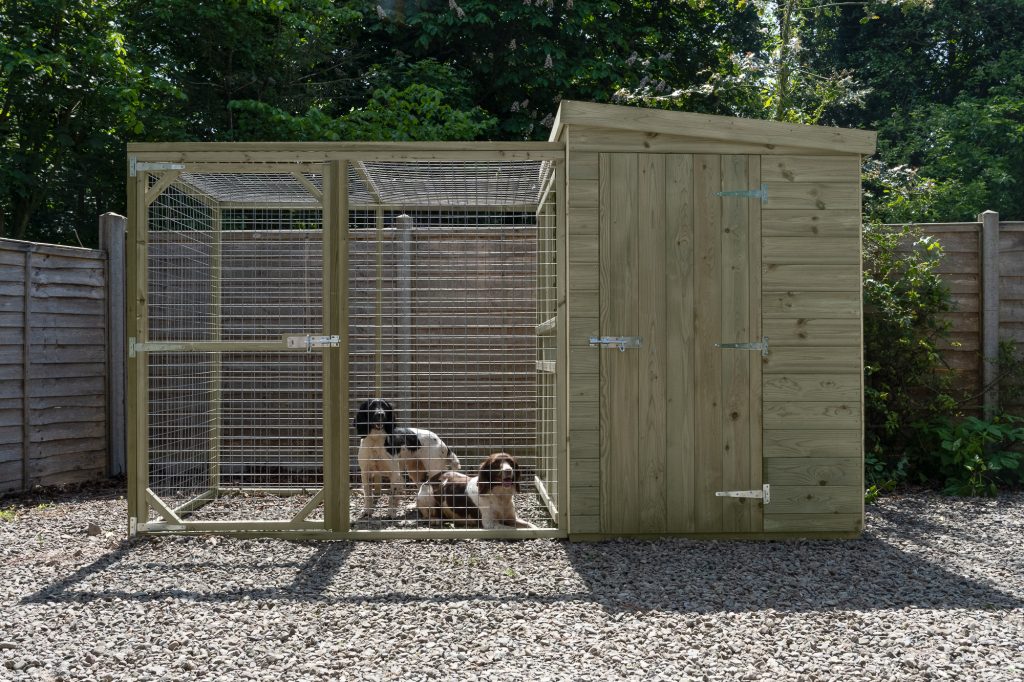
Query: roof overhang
(707, 127)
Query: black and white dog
(385, 450)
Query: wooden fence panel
(53, 362)
(984, 269)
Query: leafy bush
(973, 459)
(906, 385)
(899, 193)
(400, 109)
(915, 430)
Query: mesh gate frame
(165, 162)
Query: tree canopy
(941, 80)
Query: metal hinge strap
(761, 194)
(761, 345)
(762, 494)
(620, 342)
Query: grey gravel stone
(933, 590)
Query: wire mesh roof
(389, 183)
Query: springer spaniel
(385, 449)
(482, 500)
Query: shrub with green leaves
(906, 385)
(974, 456)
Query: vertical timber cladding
(794, 278)
(679, 418)
(683, 269)
(813, 376)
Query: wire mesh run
(450, 320)
(443, 308)
(232, 430)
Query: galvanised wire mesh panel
(234, 269)
(547, 347)
(443, 307)
(451, 275)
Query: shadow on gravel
(304, 580)
(685, 576)
(791, 576)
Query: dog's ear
(389, 417)
(486, 476)
(517, 473)
(361, 420)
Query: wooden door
(680, 268)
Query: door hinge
(761, 194)
(762, 494)
(620, 342)
(135, 167)
(311, 342)
(761, 345)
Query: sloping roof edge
(708, 127)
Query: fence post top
(988, 215)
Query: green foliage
(883, 476)
(900, 194)
(290, 54)
(974, 145)
(905, 381)
(942, 83)
(8, 515)
(522, 58)
(1011, 374)
(68, 95)
(416, 113)
(973, 455)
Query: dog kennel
(657, 314)
(277, 286)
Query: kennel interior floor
(240, 505)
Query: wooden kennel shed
(716, 264)
(657, 313)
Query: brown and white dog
(385, 450)
(484, 500)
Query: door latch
(620, 342)
(311, 342)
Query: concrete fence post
(989, 247)
(112, 231)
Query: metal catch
(311, 342)
(761, 345)
(761, 194)
(620, 342)
(762, 494)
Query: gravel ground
(933, 590)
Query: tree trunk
(24, 207)
(785, 34)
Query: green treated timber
(309, 530)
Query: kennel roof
(390, 174)
(611, 119)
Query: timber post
(989, 247)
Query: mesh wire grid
(451, 269)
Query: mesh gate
(449, 317)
